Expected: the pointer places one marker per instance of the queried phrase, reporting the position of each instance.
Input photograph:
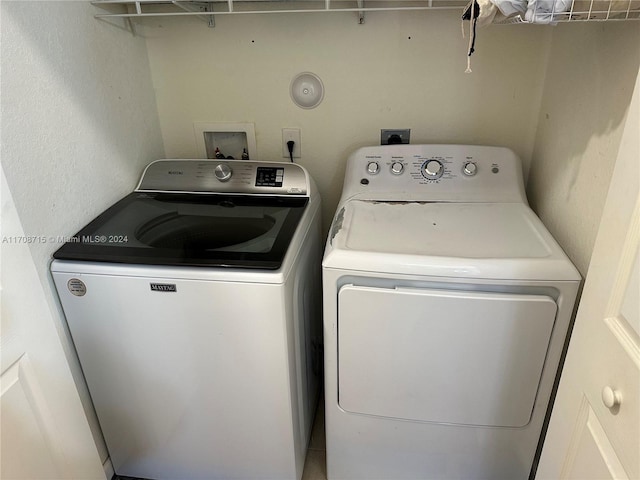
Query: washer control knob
(223, 172)
(470, 169)
(432, 169)
(397, 168)
(373, 168)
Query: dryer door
(469, 358)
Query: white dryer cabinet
(446, 308)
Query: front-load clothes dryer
(446, 308)
(194, 306)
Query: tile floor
(315, 467)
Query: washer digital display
(269, 177)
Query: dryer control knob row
(373, 168)
(397, 168)
(470, 169)
(223, 172)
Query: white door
(471, 358)
(44, 431)
(594, 432)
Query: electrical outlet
(289, 134)
(390, 137)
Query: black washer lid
(241, 231)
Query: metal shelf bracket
(200, 7)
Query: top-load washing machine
(194, 305)
(446, 308)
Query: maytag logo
(163, 287)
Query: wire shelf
(580, 10)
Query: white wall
(398, 70)
(79, 122)
(588, 87)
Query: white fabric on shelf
(510, 8)
(534, 11)
(488, 12)
(542, 11)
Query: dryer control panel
(460, 173)
(225, 176)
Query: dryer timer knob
(397, 168)
(470, 169)
(373, 168)
(432, 169)
(223, 172)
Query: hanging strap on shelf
(471, 13)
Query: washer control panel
(225, 176)
(435, 172)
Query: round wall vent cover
(306, 90)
